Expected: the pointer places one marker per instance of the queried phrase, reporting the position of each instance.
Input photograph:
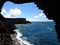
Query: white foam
(19, 40)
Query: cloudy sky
(27, 10)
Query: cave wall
(49, 7)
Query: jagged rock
(6, 27)
(5, 39)
(5, 30)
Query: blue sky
(27, 10)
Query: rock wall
(5, 39)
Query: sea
(37, 33)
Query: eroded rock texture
(5, 39)
(6, 30)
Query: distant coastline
(41, 21)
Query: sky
(27, 10)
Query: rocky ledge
(17, 20)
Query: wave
(17, 38)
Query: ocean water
(38, 33)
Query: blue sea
(39, 33)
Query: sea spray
(17, 38)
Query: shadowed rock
(17, 20)
(5, 39)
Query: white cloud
(40, 15)
(15, 12)
(3, 11)
(12, 13)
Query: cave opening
(26, 10)
(18, 16)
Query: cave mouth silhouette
(51, 9)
